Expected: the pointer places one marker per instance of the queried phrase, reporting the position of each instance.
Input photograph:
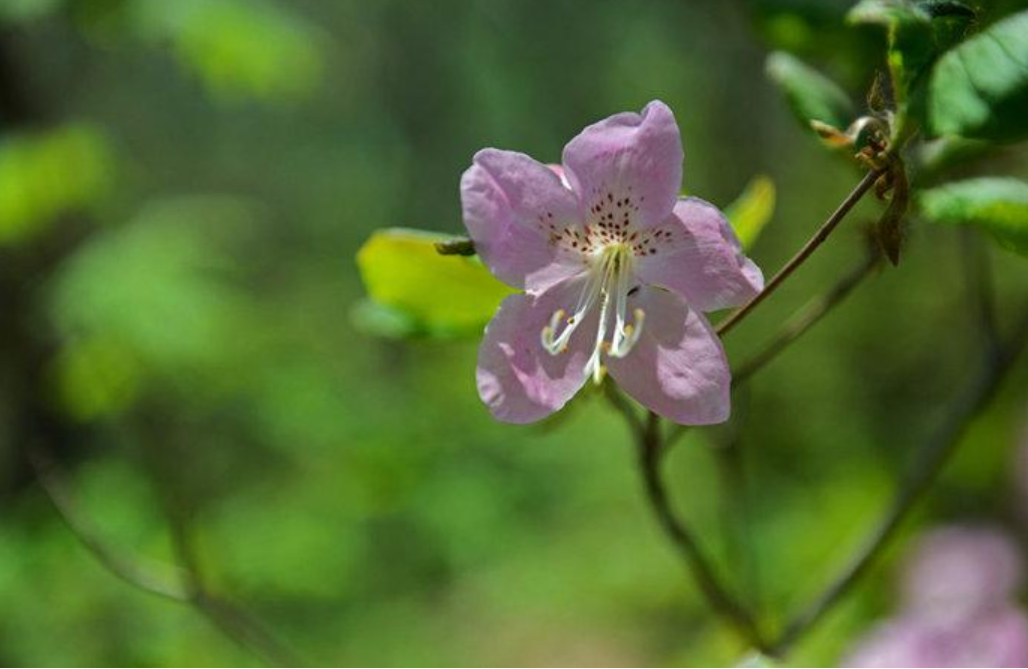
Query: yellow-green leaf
(46, 174)
(439, 296)
(752, 210)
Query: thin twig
(234, 621)
(716, 594)
(929, 461)
(802, 320)
(805, 318)
(181, 584)
(801, 256)
(161, 580)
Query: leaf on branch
(752, 210)
(917, 33)
(979, 89)
(415, 291)
(811, 95)
(997, 205)
(911, 42)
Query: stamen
(632, 332)
(610, 282)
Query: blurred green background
(183, 188)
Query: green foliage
(23, 10)
(246, 49)
(237, 49)
(752, 210)
(995, 204)
(45, 175)
(353, 495)
(980, 88)
(811, 95)
(151, 298)
(417, 291)
(911, 43)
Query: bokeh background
(183, 188)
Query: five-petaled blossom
(616, 269)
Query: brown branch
(716, 594)
(803, 254)
(162, 580)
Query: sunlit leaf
(44, 175)
(96, 377)
(980, 88)
(440, 295)
(154, 297)
(811, 95)
(238, 48)
(752, 210)
(998, 205)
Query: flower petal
(629, 155)
(699, 257)
(518, 379)
(677, 368)
(511, 206)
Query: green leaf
(811, 95)
(979, 89)
(163, 286)
(950, 21)
(911, 41)
(25, 10)
(998, 205)
(237, 49)
(440, 296)
(382, 321)
(752, 210)
(46, 174)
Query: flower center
(608, 284)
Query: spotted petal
(511, 206)
(629, 156)
(696, 254)
(677, 368)
(520, 381)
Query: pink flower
(958, 570)
(997, 637)
(616, 269)
(959, 606)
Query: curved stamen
(631, 335)
(554, 343)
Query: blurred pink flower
(616, 270)
(958, 606)
(997, 638)
(959, 570)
